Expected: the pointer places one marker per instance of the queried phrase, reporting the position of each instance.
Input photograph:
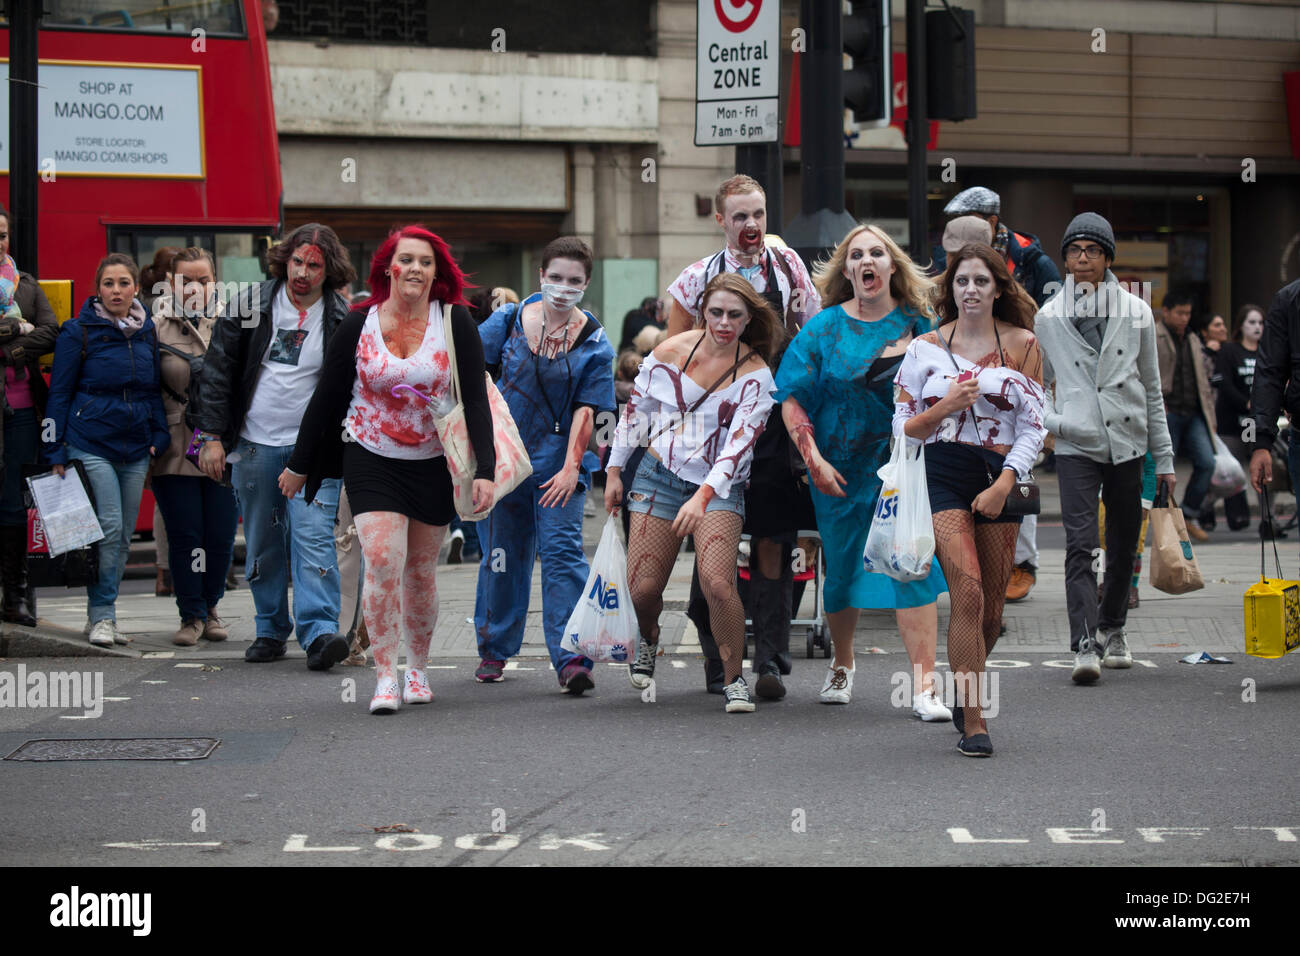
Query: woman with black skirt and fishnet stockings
(972, 393)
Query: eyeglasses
(1088, 252)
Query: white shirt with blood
(290, 370)
(712, 445)
(400, 426)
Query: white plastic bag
(603, 625)
(901, 540)
(1229, 477)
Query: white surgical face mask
(561, 296)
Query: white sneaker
(1117, 653)
(388, 696)
(118, 636)
(838, 687)
(415, 688)
(929, 707)
(103, 633)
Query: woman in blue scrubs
(556, 375)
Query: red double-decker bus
(156, 128)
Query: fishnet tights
(976, 560)
(652, 551)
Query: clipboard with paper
(65, 510)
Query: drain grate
(129, 748)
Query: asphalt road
(1162, 764)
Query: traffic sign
(737, 67)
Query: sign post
(737, 67)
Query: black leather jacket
(224, 390)
(1277, 367)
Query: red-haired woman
(391, 461)
(972, 393)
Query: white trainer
(929, 707)
(415, 688)
(388, 696)
(838, 686)
(102, 633)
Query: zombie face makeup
(306, 273)
(725, 317)
(193, 285)
(563, 283)
(869, 266)
(1252, 328)
(744, 220)
(117, 290)
(412, 269)
(974, 290)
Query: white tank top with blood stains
(401, 425)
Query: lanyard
(537, 371)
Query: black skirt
(777, 501)
(419, 489)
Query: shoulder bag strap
(451, 353)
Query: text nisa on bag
(605, 595)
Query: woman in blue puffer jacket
(106, 410)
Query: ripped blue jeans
(277, 531)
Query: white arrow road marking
(154, 845)
(514, 666)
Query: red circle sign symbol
(735, 18)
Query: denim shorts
(656, 491)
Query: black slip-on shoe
(326, 651)
(977, 745)
(264, 649)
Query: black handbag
(1023, 498)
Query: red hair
(449, 283)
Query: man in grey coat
(1106, 409)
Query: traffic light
(950, 64)
(867, 87)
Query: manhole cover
(138, 748)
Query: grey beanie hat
(1089, 225)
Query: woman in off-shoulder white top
(700, 402)
(972, 393)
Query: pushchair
(816, 634)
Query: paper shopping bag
(1173, 565)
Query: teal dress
(828, 369)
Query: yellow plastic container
(1272, 617)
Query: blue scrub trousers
(516, 532)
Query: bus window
(217, 17)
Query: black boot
(19, 605)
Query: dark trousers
(21, 434)
(1080, 480)
(200, 516)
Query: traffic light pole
(918, 134)
(822, 223)
(24, 17)
(763, 162)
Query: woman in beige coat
(200, 513)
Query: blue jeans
(200, 518)
(516, 531)
(1191, 435)
(117, 486)
(276, 530)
